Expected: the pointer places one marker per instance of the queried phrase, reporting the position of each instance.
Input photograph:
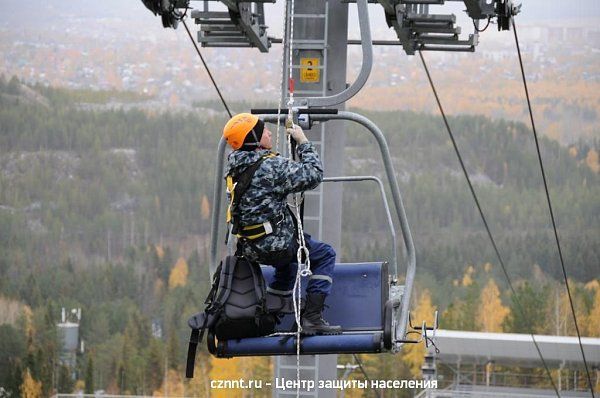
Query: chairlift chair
(366, 298)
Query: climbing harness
(236, 188)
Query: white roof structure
(515, 349)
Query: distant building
(556, 34)
(481, 365)
(593, 37)
(68, 337)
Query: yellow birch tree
(468, 276)
(204, 208)
(30, 387)
(593, 319)
(566, 325)
(160, 252)
(172, 386)
(491, 312)
(573, 151)
(226, 369)
(592, 161)
(179, 274)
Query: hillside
(100, 181)
(501, 159)
(105, 201)
(116, 45)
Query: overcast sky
(36, 10)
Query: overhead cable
(485, 223)
(560, 254)
(364, 372)
(206, 67)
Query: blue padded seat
(357, 303)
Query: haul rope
(550, 209)
(515, 297)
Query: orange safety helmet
(238, 127)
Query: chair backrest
(358, 296)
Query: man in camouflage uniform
(265, 202)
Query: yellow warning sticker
(309, 72)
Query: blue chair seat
(357, 302)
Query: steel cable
(364, 372)
(485, 223)
(212, 79)
(541, 163)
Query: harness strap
(256, 231)
(225, 284)
(259, 288)
(210, 299)
(197, 334)
(195, 338)
(237, 187)
(191, 356)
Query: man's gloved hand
(297, 134)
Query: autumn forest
(106, 208)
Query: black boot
(312, 318)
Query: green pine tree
(89, 376)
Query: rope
(298, 282)
(485, 223)
(541, 163)
(303, 267)
(283, 56)
(290, 52)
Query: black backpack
(236, 307)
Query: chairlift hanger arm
(365, 70)
(401, 327)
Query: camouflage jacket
(266, 197)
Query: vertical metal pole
(320, 33)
